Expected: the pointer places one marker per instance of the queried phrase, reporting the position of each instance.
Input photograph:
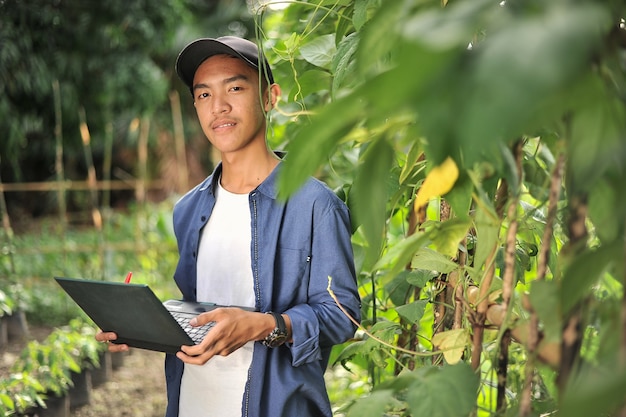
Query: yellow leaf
(452, 343)
(438, 182)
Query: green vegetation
(45, 368)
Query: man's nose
(219, 105)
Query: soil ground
(136, 389)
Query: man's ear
(272, 97)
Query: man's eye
(203, 95)
(235, 89)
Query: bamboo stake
(91, 170)
(455, 281)
(140, 192)
(478, 323)
(179, 143)
(408, 335)
(96, 215)
(508, 278)
(496, 315)
(106, 185)
(622, 356)
(542, 267)
(58, 133)
(142, 156)
(107, 160)
(445, 291)
(572, 332)
(6, 224)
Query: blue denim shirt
(296, 246)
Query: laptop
(137, 316)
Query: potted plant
(19, 301)
(20, 394)
(79, 340)
(5, 310)
(51, 364)
(91, 353)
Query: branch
(364, 330)
(542, 267)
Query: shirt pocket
(291, 275)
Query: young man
(241, 246)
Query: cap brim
(199, 50)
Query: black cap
(199, 50)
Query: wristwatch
(278, 336)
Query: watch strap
(278, 335)
(280, 322)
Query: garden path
(136, 389)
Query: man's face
(227, 101)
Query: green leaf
(487, 229)
(384, 330)
(429, 394)
(368, 197)
(320, 51)
(603, 202)
(411, 163)
(413, 312)
(594, 392)
(373, 405)
(430, 260)
(399, 255)
(379, 36)
(312, 145)
(544, 297)
(343, 62)
(398, 289)
(360, 17)
(460, 197)
(585, 270)
(447, 235)
(597, 143)
(312, 81)
(419, 277)
(521, 63)
(7, 402)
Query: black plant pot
(4, 336)
(55, 407)
(103, 373)
(16, 326)
(80, 392)
(117, 359)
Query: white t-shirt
(224, 277)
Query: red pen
(128, 277)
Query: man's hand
(106, 337)
(233, 328)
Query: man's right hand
(106, 337)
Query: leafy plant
(50, 364)
(6, 304)
(17, 298)
(19, 392)
(79, 340)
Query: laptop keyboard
(196, 333)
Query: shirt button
(203, 218)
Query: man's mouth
(223, 125)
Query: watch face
(275, 338)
